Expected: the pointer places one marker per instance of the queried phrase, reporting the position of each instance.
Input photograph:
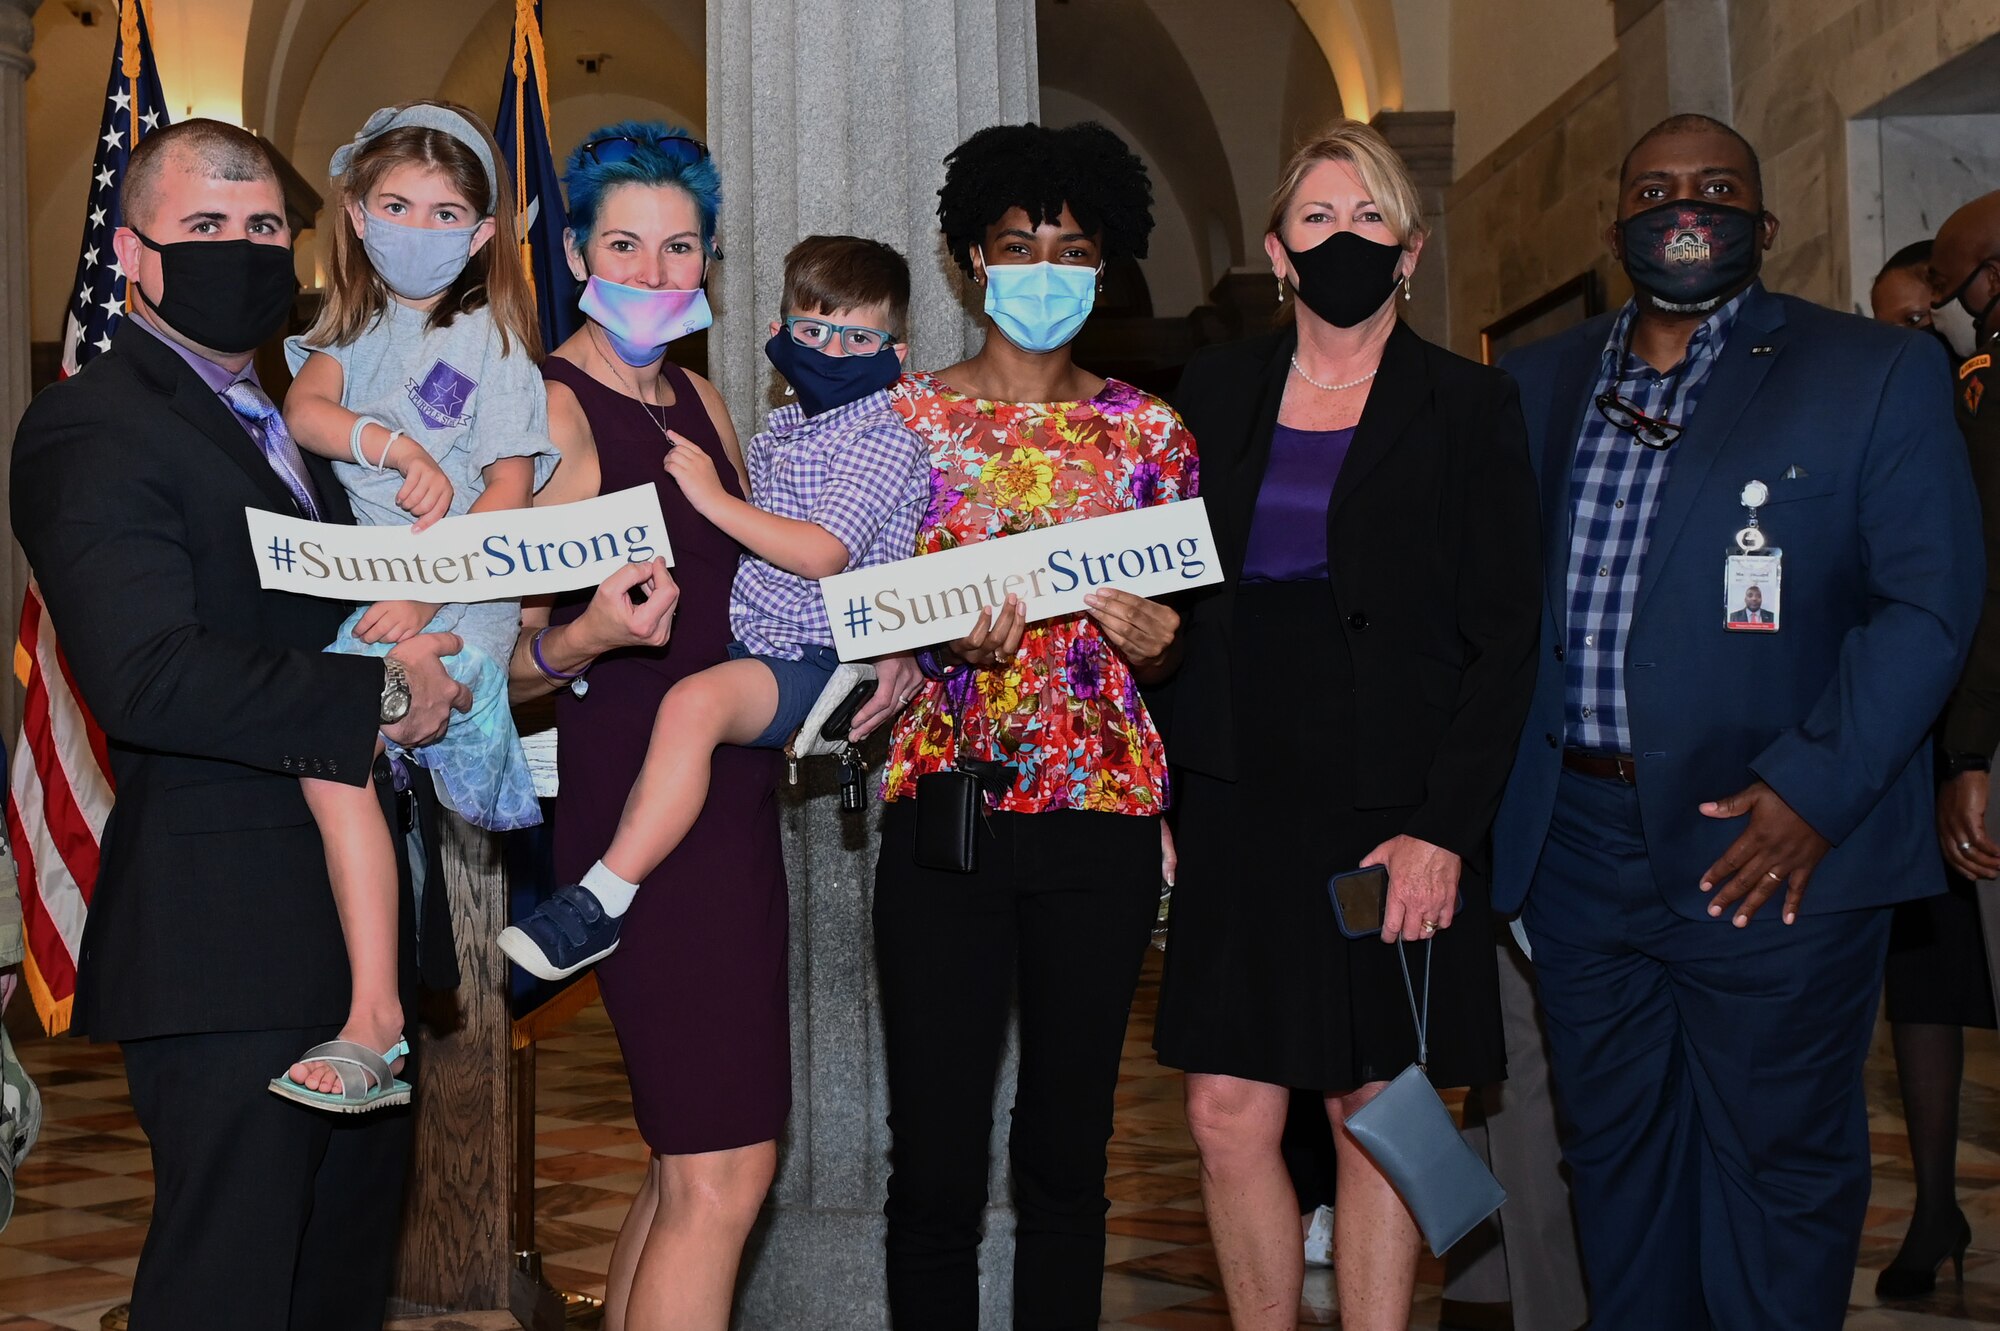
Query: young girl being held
(420, 379)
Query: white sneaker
(1319, 1238)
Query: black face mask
(1346, 277)
(1690, 256)
(226, 295)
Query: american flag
(59, 789)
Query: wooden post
(456, 1253)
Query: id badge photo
(1752, 574)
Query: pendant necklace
(638, 394)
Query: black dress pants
(267, 1215)
(1059, 909)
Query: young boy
(836, 482)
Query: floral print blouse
(1066, 716)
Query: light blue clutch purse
(1408, 1133)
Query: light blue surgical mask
(1039, 306)
(416, 262)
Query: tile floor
(85, 1195)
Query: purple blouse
(1288, 529)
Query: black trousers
(1060, 910)
(267, 1215)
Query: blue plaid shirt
(1614, 493)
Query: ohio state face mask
(1690, 256)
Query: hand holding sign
(613, 619)
(992, 642)
(1143, 631)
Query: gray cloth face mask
(417, 262)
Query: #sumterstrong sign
(935, 598)
(478, 557)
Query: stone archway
(1359, 39)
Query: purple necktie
(261, 418)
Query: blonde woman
(1350, 697)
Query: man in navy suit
(1704, 829)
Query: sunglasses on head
(679, 149)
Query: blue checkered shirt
(1614, 494)
(855, 470)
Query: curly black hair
(1039, 170)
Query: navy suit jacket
(1849, 424)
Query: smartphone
(1359, 897)
(840, 721)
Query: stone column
(1673, 57)
(17, 34)
(826, 116)
(1424, 141)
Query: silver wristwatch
(395, 691)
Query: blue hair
(587, 182)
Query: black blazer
(1434, 554)
(211, 910)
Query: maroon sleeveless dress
(696, 989)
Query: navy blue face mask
(824, 382)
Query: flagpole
(524, 18)
(128, 42)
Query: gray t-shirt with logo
(465, 402)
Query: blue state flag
(522, 130)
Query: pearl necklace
(1300, 370)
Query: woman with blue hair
(697, 988)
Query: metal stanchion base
(539, 1307)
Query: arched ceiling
(1360, 42)
(1147, 86)
(656, 46)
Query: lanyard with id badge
(1752, 575)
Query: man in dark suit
(1753, 611)
(1675, 777)
(212, 953)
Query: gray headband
(423, 115)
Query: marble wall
(1802, 69)
(1532, 214)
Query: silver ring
(1965, 846)
(1774, 876)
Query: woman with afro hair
(1061, 896)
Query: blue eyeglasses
(679, 149)
(855, 339)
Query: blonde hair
(1382, 174)
(494, 278)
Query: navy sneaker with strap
(562, 935)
